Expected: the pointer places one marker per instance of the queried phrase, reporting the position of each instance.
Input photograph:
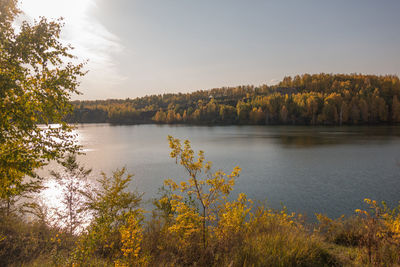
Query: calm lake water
(308, 169)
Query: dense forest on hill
(318, 99)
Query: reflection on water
(309, 169)
(334, 136)
(63, 202)
(51, 195)
(307, 141)
(303, 137)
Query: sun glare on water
(52, 193)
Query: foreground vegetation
(319, 99)
(194, 223)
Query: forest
(308, 99)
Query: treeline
(319, 99)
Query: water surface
(309, 169)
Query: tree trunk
(204, 227)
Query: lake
(310, 170)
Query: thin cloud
(92, 41)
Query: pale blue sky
(150, 47)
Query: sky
(142, 47)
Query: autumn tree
(160, 116)
(243, 110)
(37, 79)
(396, 109)
(284, 114)
(364, 110)
(209, 190)
(227, 113)
(170, 116)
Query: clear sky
(137, 48)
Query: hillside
(318, 99)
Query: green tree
(37, 79)
(111, 205)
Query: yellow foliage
(232, 217)
(274, 219)
(210, 192)
(131, 237)
(187, 223)
(382, 226)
